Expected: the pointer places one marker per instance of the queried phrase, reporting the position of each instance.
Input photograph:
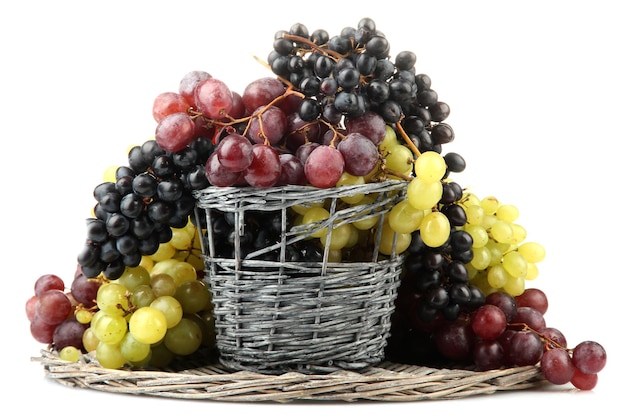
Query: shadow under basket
(289, 304)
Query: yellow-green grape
(470, 199)
(515, 264)
(160, 356)
(206, 321)
(501, 232)
(490, 204)
(390, 139)
(171, 309)
(475, 214)
(179, 270)
(110, 328)
(488, 221)
(70, 354)
(399, 159)
(144, 363)
(404, 218)
(532, 251)
(348, 179)
(481, 258)
(495, 252)
(435, 229)
(302, 208)
(83, 316)
(479, 235)
(515, 286)
(533, 272)
(354, 237)
(423, 195)
(132, 350)
(335, 255)
(162, 284)
(507, 212)
(112, 298)
(185, 338)
(147, 262)
(142, 296)
(90, 341)
(182, 238)
(147, 325)
(519, 233)
(497, 276)
(193, 296)
(314, 215)
(366, 223)
(430, 167)
(339, 237)
(110, 356)
(403, 241)
(132, 277)
(165, 251)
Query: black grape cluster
(348, 74)
(135, 214)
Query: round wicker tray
(385, 382)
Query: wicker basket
(277, 315)
(203, 380)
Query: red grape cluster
(505, 331)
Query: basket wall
(274, 315)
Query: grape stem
(407, 139)
(313, 45)
(549, 343)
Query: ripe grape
(589, 357)
(48, 282)
(557, 366)
(53, 307)
(234, 152)
(324, 166)
(359, 153)
(265, 169)
(213, 98)
(175, 131)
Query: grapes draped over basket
(337, 110)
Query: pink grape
(557, 366)
(265, 167)
(324, 166)
(589, 357)
(53, 307)
(525, 348)
(261, 92)
(30, 307)
(167, 103)
(213, 98)
(531, 317)
(359, 153)
(42, 331)
(175, 131)
(267, 124)
(370, 125)
(583, 381)
(218, 175)
(291, 170)
(533, 297)
(48, 282)
(188, 84)
(234, 152)
(488, 322)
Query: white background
(537, 96)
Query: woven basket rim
(386, 382)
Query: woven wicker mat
(385, 382)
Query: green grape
(497, 276)
(132, 350)
(110, 328)
(475, 214)
(515, 286)
(399, 159)
(90, 341)
(70, 354)
(339, 237)
(110, 356)
(109, 173)
(430, 167)
(112, 298)
(515, 264)
(479, 235)
(348, 179)
(160, 356)
(179, 270)
(403, 240)
(165, 251)
(147, 262)
(507, 212)
(142, 296)
(488, 221)
(533, 272)
(501, 231)
(481, 258)
(519, 233)
(495, 252)
(389, 140)
(366, 223)
(206, 321)
(193, 296)
(423, 195)
(435, 229)
(171, 309)
(144, 363)
(162, 284)
(314, 215)
(182, 238)
(133, 277)
(83, 316)
(147, 325)
(532, 252)
(490, 205)
(404, 218)
(185, 338)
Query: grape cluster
(349, 74)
